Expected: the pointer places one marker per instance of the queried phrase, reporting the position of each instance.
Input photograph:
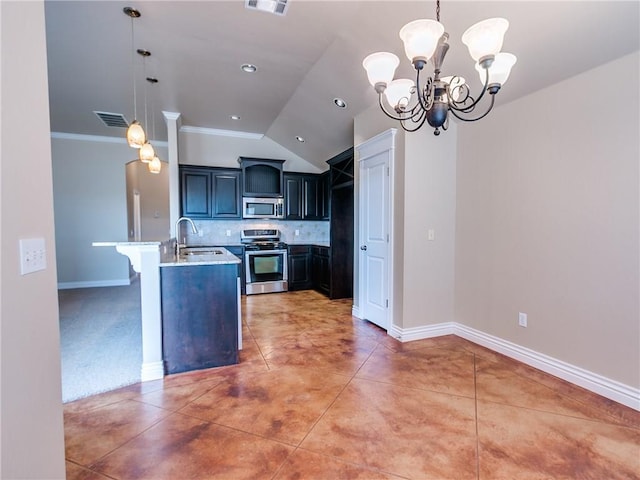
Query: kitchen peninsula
(217, 269)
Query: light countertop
(224, 258)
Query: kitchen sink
(202, 252)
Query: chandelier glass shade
(432, 99)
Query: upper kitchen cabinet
(210, 193)
(261, 177)
(303, 197)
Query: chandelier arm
(453, 112)
(420, 123)
(468, 108)
(384, 110)
(425, 105)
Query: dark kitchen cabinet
(210, 192)
(195, 187)
(292, 196)
(324, 193)
(302, 196)
(238, 251)
(299, 267)
(321, 268)
(261, 177)
(199, 316)
(341, 225)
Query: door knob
(363, 247)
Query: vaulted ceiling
(305, 59)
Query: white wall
(548, 222)
(153, 195)
(429, 204)
(32, 438)
(223, 151)
(89, 185)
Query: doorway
(375, 228)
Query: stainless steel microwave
(262, 207)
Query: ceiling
(305, 59)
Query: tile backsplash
(214, 232)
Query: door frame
(381, 143)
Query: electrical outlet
(431, 234)
(297, 232)
(522, 319)
(33, 255)
(228, 233)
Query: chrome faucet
(193, 229)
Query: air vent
(112, 119)
(278, 7)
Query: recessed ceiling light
(340, 102)
(300, 139)
(235, 117)
(249, 68)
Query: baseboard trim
(355, 311)
(420, 333)
(152, 371)
(608, 388)
(95, 283)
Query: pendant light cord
(144, 73)
(133, 73)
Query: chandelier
(414, 103)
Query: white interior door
(374, 211)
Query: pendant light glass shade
(420, 38)
(155, 165)
(485, 37)
(146, 153)
(136, 137)
(398, 93)
(499, 70)
(380, 67)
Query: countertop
(225, 258)
(311, 242)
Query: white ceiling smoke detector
(277, 7)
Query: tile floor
(319, 394)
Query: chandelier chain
(438, 10)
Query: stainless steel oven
(265, 262)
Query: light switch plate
(33, 255)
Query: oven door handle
(264, 252)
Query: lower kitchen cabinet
(238, 251)
(299, 267)
(199, 316)
(321, 269)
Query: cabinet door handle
(363, 247)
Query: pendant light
(146, 152)
(155, 165)
(135, 133)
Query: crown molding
(221, 133)
(98, 138)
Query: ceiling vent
(278, 7)
(112, 119)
